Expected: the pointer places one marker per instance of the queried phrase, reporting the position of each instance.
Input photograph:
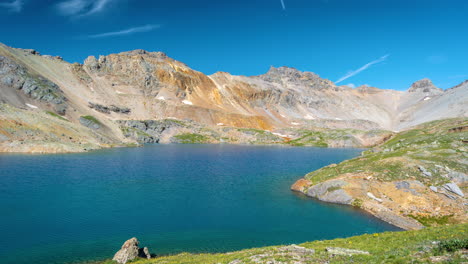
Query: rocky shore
(416, 179)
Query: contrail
(125, 31)
(283, 5)
(351, 74)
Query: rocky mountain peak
(425, 86)
(287, 76)
(288, 72)
(157, 54)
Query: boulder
(131, 251)
(297, 250)
(453, 187)
(144, 253)
(128, 252)
(424, 171)
(458, 177)
(330, 191)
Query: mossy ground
(389, 247)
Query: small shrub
(451, 245)
(357, 203)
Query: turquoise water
(174, 198)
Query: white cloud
(13, 6)
(98, 6)
(283, 5)
(351, 85)
(81, 8)
(366, 66)
(123, 32)
(72, 7)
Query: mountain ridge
(153, 86)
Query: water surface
(174, 198)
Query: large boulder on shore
(131, 251)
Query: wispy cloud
(283, 5)
(81, 8)
(13, 6)
(352, 73)
(124, 32)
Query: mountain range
(50, 105)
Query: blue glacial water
(174, 198)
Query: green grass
(55, 115)
(389, 247)
(321, 137)
(191, 138)
(91, 118)
(428, 145)
(451, 245)
(432, 220)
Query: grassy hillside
(417, 178)
(447, 244)
(435, 146)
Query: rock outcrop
(425, 86)
(130, 251)
(411, 181)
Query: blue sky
(384, 43)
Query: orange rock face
(300, 185)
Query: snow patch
(427, 98)
(187, 102)
(117, 91)
(372, 196)
(31, 106)
(336, 118)
(295, 124)
(282, 115)
(309, 116)
(161, 98)
(220, 124)
(281, 135)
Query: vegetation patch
(451, 245)
(190, 138)
(398, 159)
(389, 247)
(357, 203)
(55, 115)
(432, 220)
(92, 119)
(333, 188)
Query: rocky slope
(109, 95)
(418, 178)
